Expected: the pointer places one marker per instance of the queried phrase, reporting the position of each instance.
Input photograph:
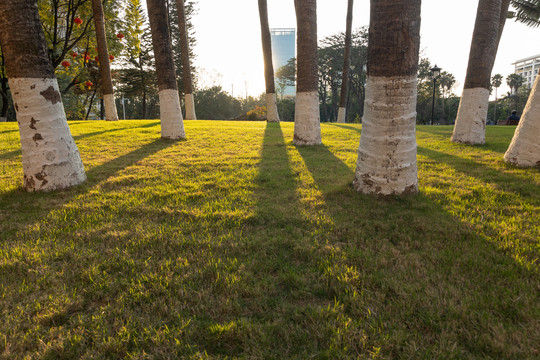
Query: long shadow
(348, 127)
(420, 268)
(39, 204)
(487, 174)
(83, 136)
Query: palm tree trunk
(186, 66)
(172, 123)
(104, 65)
(387, 153)
(346, 63)
(524, 150)
(470, 127)
(50, 157)
(271, 104)
(307, 127)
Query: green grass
(237, 244)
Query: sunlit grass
(237, 244)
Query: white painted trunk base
(470, 127)
(307, 127)
(172, 123)
(110, 108)
(524, 150)
(50, 157)
(190, 107)
(341, 115)
(387, 153)
(272, 114)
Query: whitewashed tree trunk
(190, 107)
(172, 124)
(272, 114)
(387, 154)
(524, 150)
(307, 128)
(50, 157)
(111, 113)
(341, 115)
(470, 127)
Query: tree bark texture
(186, 66)
(307, 128)
(387, 153)
(104, 64)
(347, 57)
(172, 122)
(266, 40)
(50, 157)
(524, 150)
(470, 124)
(161, 42)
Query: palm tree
(470, 127)
(172, 123)
(104, 65)
(496, 82)
(514, 81)
(387, 154)
(524, 150)
(528, 12)
(50, 157)
(307, 128)
(271, 105)
(186, 66)
(346, 63)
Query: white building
(528, 68)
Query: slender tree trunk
(90, 106)
(50, 157)
(470, 127)
(307, 127)
(186, 66)
(271, 104)
(524, 150)
(172, 123)
(387, 154)
(346, 64)
(104, 65)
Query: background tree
(470, 127)
(496, 82)
(307, 128)
(103, 60)
(50, 157)
(387, 153)
(172, 124)
(271, 101)
(4, 89)
(186, 67)
(346, 64)
(447, 82)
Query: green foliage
(527, 12)
(214, 103)
(238, 244)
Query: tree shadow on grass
(8, 131)
(348, 127)
(17, 152)
(503, 181)
(422, 277)
(21, 206)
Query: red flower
(111, 57)
(74, 54)
(89, 84)
(66, 64)
(120, 36)
(97, 59)
(78, 21)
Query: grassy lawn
(237, 244)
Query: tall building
(283, 49)
(528, 68)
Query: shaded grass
(237, 244)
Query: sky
(229, 52)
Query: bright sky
(229, 49)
